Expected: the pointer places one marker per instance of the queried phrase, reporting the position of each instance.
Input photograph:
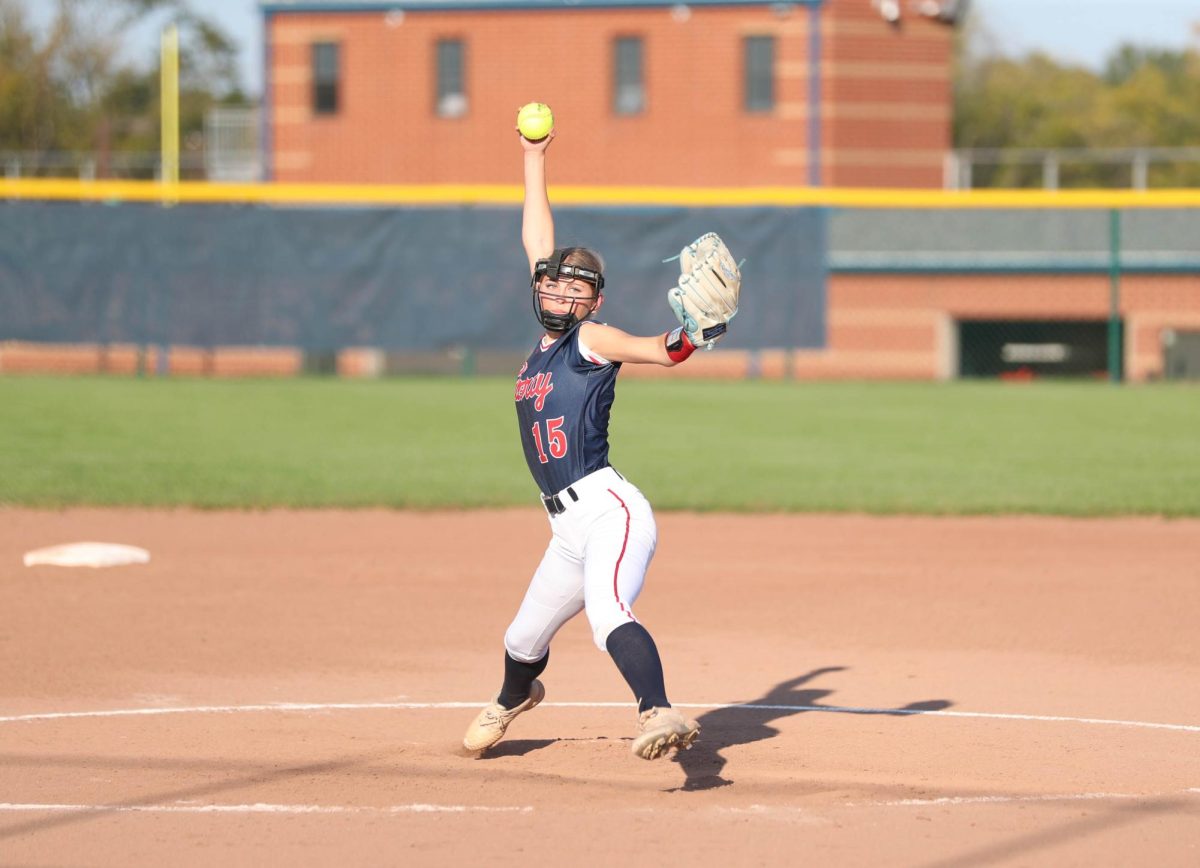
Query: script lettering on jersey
(536, 387)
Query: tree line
(69, 87)
(1142, 98)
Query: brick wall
(886, 326)
(887, 97)
(885, 116)
(18, 357)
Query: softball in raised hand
(535, 121)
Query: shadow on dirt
(748, 722)
(518, 747)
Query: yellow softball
(535, 121)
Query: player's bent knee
(524, 649)
(602, 629)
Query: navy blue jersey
(563, 401)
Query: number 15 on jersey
(555, 439)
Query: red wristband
(679, 346)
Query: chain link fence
(227, 151)
(1072, 168)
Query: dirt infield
(291, 688)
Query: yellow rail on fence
(511, 194)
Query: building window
(759, 56)
(629, 86)
(325, 63)
(451, 78)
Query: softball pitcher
(603, 533)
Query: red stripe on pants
(624, 544)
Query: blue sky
(1086, 31)
(1077, 31)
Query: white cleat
(661, 730)
(488, 728)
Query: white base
(87, 554)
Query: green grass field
(1058, 447)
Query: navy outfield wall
(322, 279)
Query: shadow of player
(516, 747)
(747, 722)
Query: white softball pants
(596, 562)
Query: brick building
(647, 92)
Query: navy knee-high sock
(518, 677)
(633, 650)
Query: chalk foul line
(421, 808)
(1003, 800)
(261, 808)
(296, 707)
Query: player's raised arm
(537, 223)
